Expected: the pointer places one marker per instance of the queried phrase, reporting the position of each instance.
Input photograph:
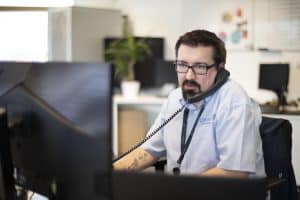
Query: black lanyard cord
(184, 126)
(185, 145)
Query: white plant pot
(130, 88)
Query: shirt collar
(192, 106)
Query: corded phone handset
(221, 78)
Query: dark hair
(204, 38)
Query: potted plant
(124, 53)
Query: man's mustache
(190, 82)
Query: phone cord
(150, 135)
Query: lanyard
(185, 145)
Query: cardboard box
(131, 128)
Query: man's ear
(222, 65)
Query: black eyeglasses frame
(207, 67)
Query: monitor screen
(165, 73)
(145, 71)
(275, 77)
(59, 120)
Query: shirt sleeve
(237, 137)
(155, 145)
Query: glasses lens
(200, 69)
(181, 67)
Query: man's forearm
(139, 159)
(222, 172)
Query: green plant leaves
(126, 51)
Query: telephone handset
(221, 78)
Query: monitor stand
(276, 109)
(281, 98)
(7, 186)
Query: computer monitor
(146, 186)
(164, 73)
(59, 123)
(275, 77)
(144, 70)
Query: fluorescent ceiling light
(37, 3)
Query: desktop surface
(286, 110)
(146, 186)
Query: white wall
(155, 18)
(243, 65)
(171, 18)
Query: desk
(274, 110)
(152, 104)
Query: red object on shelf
(239, 12)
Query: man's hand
(139, 159)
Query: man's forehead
(195, 52)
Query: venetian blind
(277, 24)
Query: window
(24, 35)
(277, 24)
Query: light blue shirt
(226, 136)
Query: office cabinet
(77, 33)
(150, 107)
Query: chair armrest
(274, 182)
(160, 165)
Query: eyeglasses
(198, 68)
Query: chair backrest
(276, 137)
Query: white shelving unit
(143, 102)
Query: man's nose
(190, 74)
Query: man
(224, 140)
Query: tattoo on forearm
(142, 156)
(135, 164)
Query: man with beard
(217, 135)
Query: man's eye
(181, 65)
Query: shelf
(143, 99)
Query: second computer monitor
(275, 77)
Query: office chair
(276, 137)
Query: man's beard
(188, 93)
